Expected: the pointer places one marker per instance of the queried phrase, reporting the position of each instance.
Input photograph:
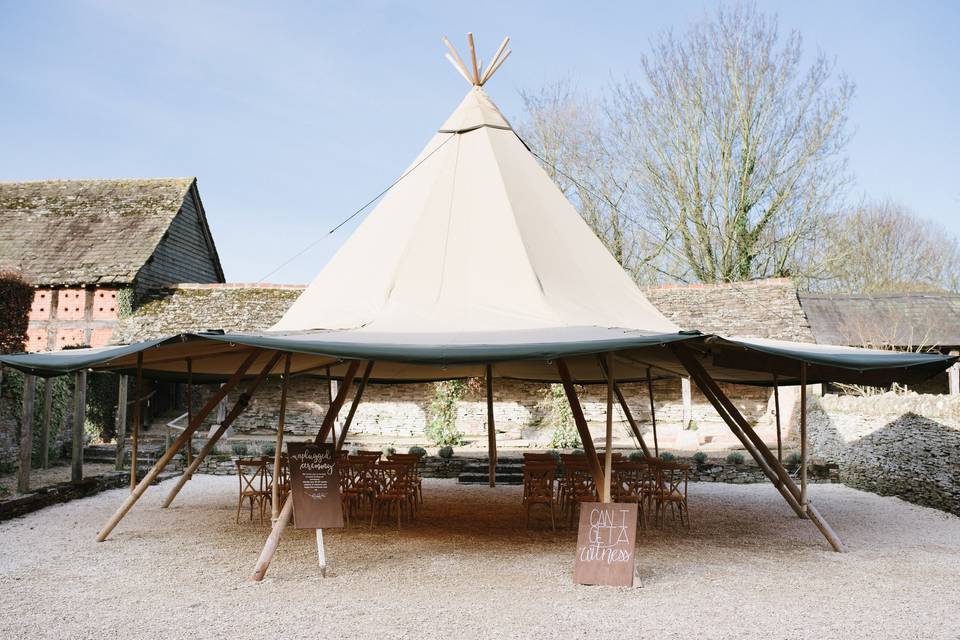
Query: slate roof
(64, 232)
(897, 319)
(758, 309)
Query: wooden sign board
(606, 543)
(315, 486)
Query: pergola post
(79, 417)
(803, 436)
(653, 414)
(137, 417)
(189, 409)
(491, 430)
(238, 407)
(278, 450)
(283, 518)
(622, 401)
(26, 433)
(342, 437)
(608, 451)
(179, 442)
(121, 424)
(334, 408)
(776, 409)
(578, 418)
(45, 423)
(953, 375)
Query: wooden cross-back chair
(358, 484)
(578, 486)
(413, 459)
(538, 487)
(633, 481)
(394, 491)
(254, 486)
(671, 490)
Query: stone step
(475, 467)
(483, 478)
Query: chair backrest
(393, 475)
(538, 479)
(373, 454)
(252, 474)
(673, 476)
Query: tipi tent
(474, 264)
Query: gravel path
(468, 569)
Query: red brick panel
(100, 336)
(69, 337)
(104, 305)
(36, 339)
(40, 309)
(71, 304)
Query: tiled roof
(912, 320)
(57, 232)
(758, 309)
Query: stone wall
(907, 445)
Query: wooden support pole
(626, 410)
(26, 433)
(321, 554)
(45, 423)
(776, 410)
(137, 417)
(341, 440)
(595, 469)
(278, 450)
(334, 408)
(121, 424)
(653, 414)
(803, 435)
(608, 451)
(189, 408)
(172, 451)
(953, 376)
(273, 540)
(473, 59)
(238, 407)
(79, 418)
(491, 430)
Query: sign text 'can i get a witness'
(606, 543)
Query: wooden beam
(493, 61)
(121, 424)
(953, 376)
(608, 451)
(626, 410)
(278, 450)
(172, 451)
(473, 59)
(595, 469)
(137, 417)
(79, 418)
(26, 433)
(776, 409)
(353, 406)
(803, 435)
(653, 414)
(189, 408)
(45, 423)
(491, 430)
(334, 407)
(238, 407)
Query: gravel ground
(468, 569)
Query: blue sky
(292, 115)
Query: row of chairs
(385, 487)
(563, 484)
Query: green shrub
(268, 449)
(735, 457)
(560, 417)
(692, 425)
(667, 456)
(442, 425)
(445, 452)
(637, 455)
(420, 451)
(700, 457)
(239, 449)
(17, 297)
(794, 459)
(554, 454)
(388, 451)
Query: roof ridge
(76, 180)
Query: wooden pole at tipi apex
(622, 401)
(803, 436)
(175, 447)
(582, 428)
(455, 60)
(137, 417)
(653, 414)
(493, 61)
(278, 451)
(608, 451)
(238, 407)
(491, 430)
(353, 406)
(776, 410)
(473, 59)
(334, 408)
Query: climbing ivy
(560, 417)
(442, 423)
(11, 406)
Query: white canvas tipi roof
(475, 237)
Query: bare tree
(882, 247)
(726, 154)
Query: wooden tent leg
(342, 439)
(491, 431)
(737, 423)
(189, 409)
(622, 401)
(239, 406)
(26, 433)
(45, 423)
(337, 403)
(278, 450)
(283, 519)
(803, 435)
(79, 417)
(595, 469)
(172, 451)
(137, 417)
(121, 424)
(608, 451)
(776, 409)
(653, 414)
